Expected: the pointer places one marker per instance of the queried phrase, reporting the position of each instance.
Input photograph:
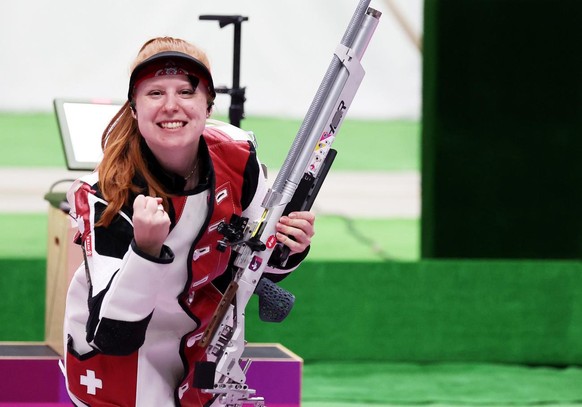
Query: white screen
(81, 125)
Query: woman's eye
(187, 92)
(154, 93)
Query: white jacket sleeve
(122, 281)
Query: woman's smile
(172, 125)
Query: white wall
(83, 49)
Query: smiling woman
(148, 225)
(170, 95)
(171, 113)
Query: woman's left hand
(296, 230)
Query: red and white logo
(91, 382)
(271, 241)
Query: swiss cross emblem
(92, 382)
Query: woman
(147, 223)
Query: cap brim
(190, 63)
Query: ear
(132, 108)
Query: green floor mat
(441, 384)
(337, 238)
(32, 139)
(341, 238)
(23, 235)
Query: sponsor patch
(271, 241)
(88, 245)
(255, 263)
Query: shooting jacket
(132, 320)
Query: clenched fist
(151, 224)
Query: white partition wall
(83, 49)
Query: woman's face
(170, 114)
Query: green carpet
(337, 238)
(443, 384)
(30, 239)
(516, 312)
(22, 298)
(32, 139)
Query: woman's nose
(170, 103)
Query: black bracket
(233, 233)
(237, 94)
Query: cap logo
(171, 69)
(167, 68)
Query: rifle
(294, 188)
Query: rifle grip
(204, 375)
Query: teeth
(171, 125)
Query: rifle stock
(309, 159)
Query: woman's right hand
(151, 224)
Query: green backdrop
(502, 129)
(430, 311)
